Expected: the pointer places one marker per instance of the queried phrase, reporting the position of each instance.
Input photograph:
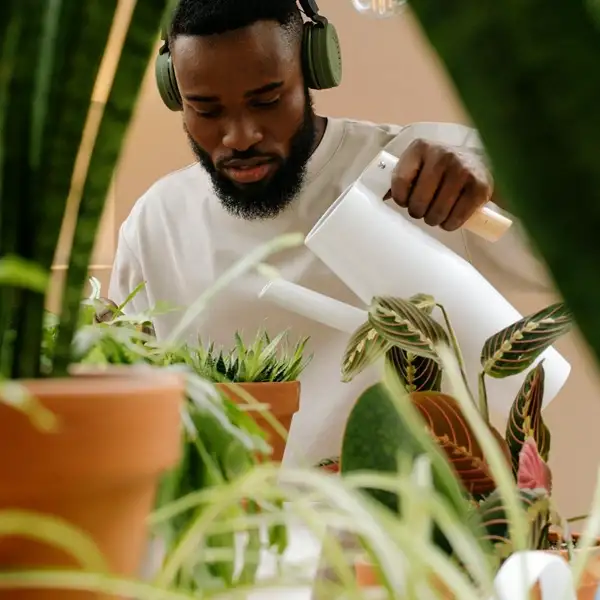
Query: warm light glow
(379, 8)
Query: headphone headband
(321, 58)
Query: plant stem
(458, 354)
(483, 399)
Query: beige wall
(390, 75)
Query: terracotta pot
(368, 577)
(98, 472)
(283, 401)
(590, 580)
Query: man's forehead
(263, 40)
(235, 61)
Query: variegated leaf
(423, 302)
(363, 349)
(525, 419)
(417, 373)
(448, 426)
(533, 472)
(514, 349)
(496, 524)
(405, 325)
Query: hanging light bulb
(381, 9)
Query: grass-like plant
(405, 333)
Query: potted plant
(96, 461)
(220, 442)
(262, 377)
(407, 335)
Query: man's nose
(241, 135)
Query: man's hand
(440, 184)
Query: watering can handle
(486, 222)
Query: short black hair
(209, 17)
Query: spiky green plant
(51, 52)
(405, 333)
(263, 360)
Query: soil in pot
(282, 400)
(99, 471)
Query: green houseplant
(58, 150)
(405, 333)
(262, 375)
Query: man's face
(247, 114)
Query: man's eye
(266, 103)
(210, 114)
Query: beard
(264, 199)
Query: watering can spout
(314, 306)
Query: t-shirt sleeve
(126, 275)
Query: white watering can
(366, 244)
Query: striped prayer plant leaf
(514, 349)
(366, 345)
(494, 519)
(407, 326)
(525, 419)
(447, 425)
(417, 373)
(363, 349)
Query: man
(268, 165)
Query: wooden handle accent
(488, 224)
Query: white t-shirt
(179, 239)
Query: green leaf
(405, 325)
(376, 422)
(18, 272)
(525, 419)
(418, 373)
(363, 349)
(514, 349)
(493, 517)
(133, 61)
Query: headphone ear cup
(323, 56)
(167, 82)
(307, 61)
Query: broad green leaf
(495, 522)
(525, 419)
(18, 272)
(514, 349)
(418, 373)
(392, 427)
(405, 325)
(364, 348)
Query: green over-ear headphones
(321, 58)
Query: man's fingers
(474, 196)
(447, 196)
(428, 182)
(406, 173)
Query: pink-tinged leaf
(533, 472)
